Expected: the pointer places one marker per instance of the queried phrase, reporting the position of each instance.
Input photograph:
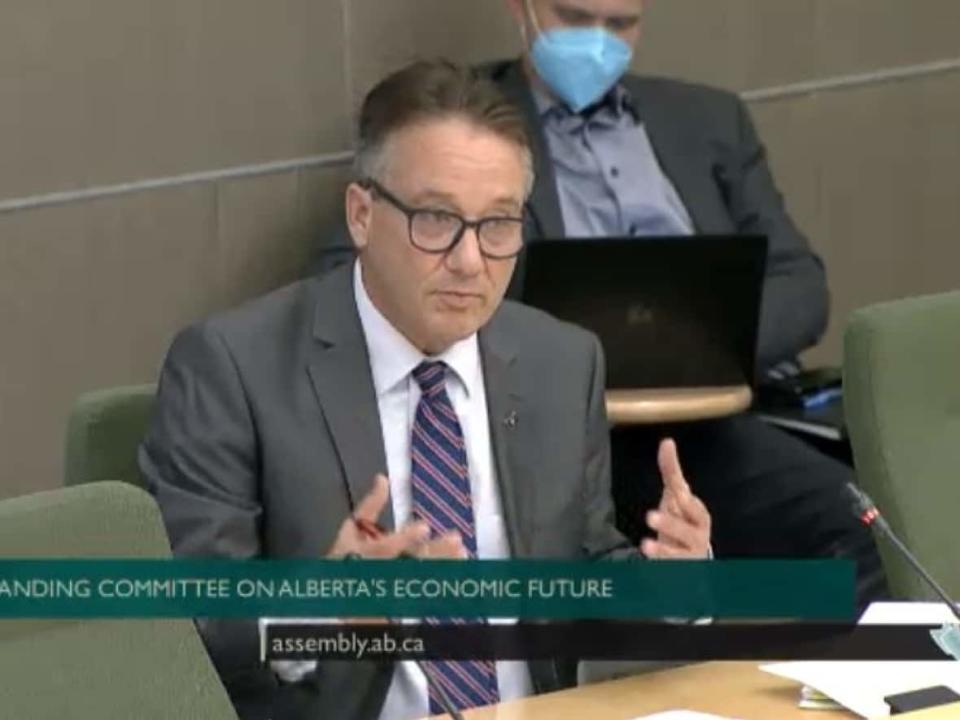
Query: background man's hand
(681, 521)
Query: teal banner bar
(761, 589)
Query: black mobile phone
(921, 699)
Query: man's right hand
(413, 539)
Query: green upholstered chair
(103, 669)
(104, 432)
(902, 400)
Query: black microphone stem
(885, 528)
(869, 515)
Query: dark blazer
(266, 433)
(707, 146)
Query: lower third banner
(595, 640)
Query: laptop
(670, 311)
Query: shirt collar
(615, 104)
(393, 358)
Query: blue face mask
(580, 64)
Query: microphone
(870, 516)
(448, 706)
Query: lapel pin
(510, 420)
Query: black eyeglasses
(438, 231)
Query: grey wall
(99, 93)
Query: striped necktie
(441, 497)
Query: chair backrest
(108, 669)
(902, 400)
(103, 433)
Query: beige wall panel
(116, 90)
(260, 242)
(271, 228)
(751, 44)
(777, 41)
(863, 35)
(889, 194)
(680, 34)
(90, 296)
(383, 35)
(868, 206)
(937, 149)
(321, 207)
(789, 130)
(737, 44)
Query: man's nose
(465, 257)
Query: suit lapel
(683, 164)
(339, 370)
(544, 201)
(514, 437)
(511, 433)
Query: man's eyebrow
(446, 201)
(434, 196)
(508, 201)
(573, 11)
(580, 13)
(625, 19)
(507, 208)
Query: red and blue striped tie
(441, 496)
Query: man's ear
(359, 211)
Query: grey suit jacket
(266, 433)
(707, 146)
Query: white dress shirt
(392, 361)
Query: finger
(448, 546)
(692, 508)
(674, 530)
(649, 548)
(373, 503)
(670, 470)
(669, 504)
(347, 540)
(405, 540)
(664, 551)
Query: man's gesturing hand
(681, 521)
(413, 539)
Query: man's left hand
(681, 521)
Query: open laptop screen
(670, 311)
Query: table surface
(941, 712)
(664, 405)
(728, 689)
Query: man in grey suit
(400, 388)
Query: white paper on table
(681, 715)
(860, 686)
(907, 613)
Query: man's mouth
(459, 298)
(460, 293)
